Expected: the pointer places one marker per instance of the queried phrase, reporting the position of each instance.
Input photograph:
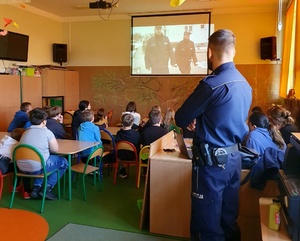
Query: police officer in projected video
(158, 53)
(217, 111)
(185, 54)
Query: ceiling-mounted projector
(100, 4)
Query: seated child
(21, 117)
(88, 131)
(131, 109)
(77, 118)
(7, 145)
(155, 131)
(263, 134)
(147, 123)
(169, 121)
(41, 138)
(101, 120)
(126, 133)
(54, 123)
(283, 121)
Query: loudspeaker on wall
(268, 48)
(60, 53)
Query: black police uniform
(220, 105)
(185, 53)
(158, 53)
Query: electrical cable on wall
(279, 25)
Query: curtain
(297, 51)
(287, 68)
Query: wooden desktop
(267, 233)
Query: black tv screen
(14, 46)
(170, 44)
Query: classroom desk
(113, 130)
(17, 224)
(266, 233)
(70, 147)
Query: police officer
(158, 53)
(217, 111)
(185, 53)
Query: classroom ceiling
(79, 8)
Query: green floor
(114, 208)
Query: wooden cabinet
(12, 96)
(53, 82)
(63, 83)
(32, 90)
(71, 97)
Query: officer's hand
(192, 126)
(175, 65)
(148, 68)
(196, 63)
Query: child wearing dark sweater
(126, 133)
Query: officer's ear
(209, 52)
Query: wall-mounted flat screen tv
(14, 46)
(170, 44)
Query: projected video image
(170, 49)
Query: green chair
(86, 168)
(28, 152)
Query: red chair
(2, 176)
(125, 145)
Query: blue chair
(109, 144)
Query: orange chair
(109, 117)
(143, 161)
(2, 176)
(125, 145)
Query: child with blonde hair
(169, 121)
(284, 122)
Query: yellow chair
(67, 121)
(67, 118)
(28, 152)
(143, 161)
(86, 168)
(126, 146)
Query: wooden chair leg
(137, 176)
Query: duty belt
(225, 150)
(204, 155)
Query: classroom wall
(42, 33)
(100, 51)
(107, 43)
(108, 83)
